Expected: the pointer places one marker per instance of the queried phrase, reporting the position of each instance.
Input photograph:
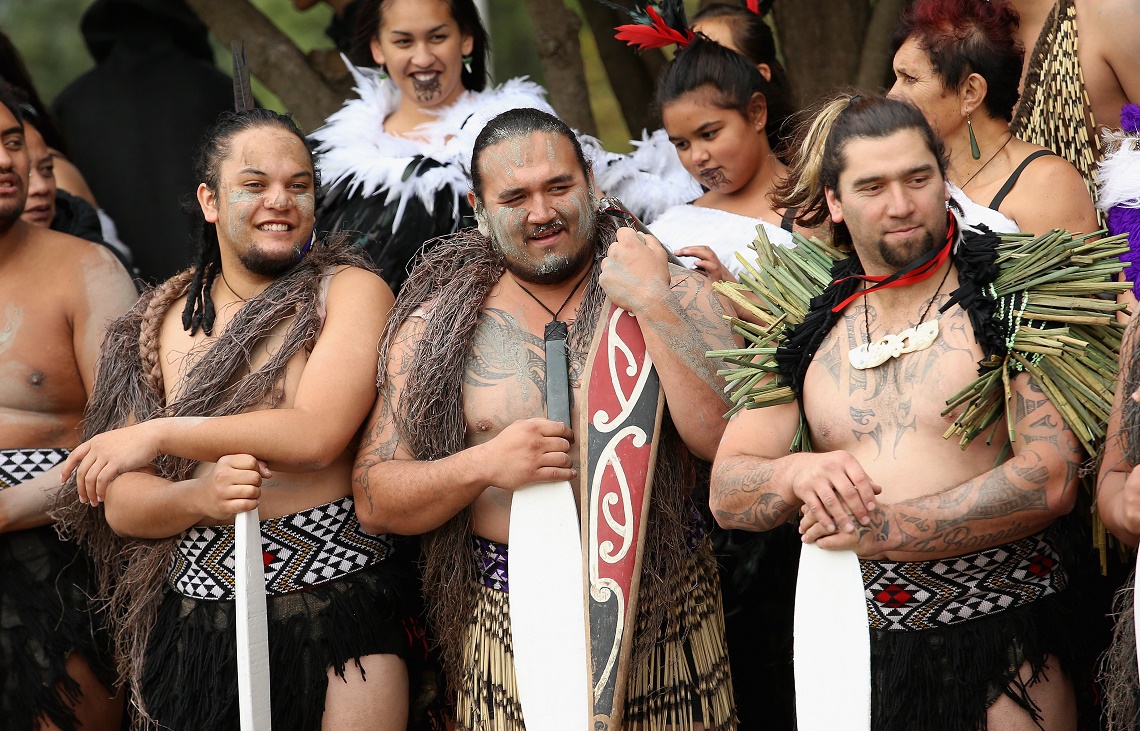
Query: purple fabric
(491, 562)
(1127, 220)
(1130, 118)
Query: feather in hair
(656, 35)
(243, 92)
(760, 7)
(657, 25)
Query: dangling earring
(467, 63)
(382, 71)
(974, 151)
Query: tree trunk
(822, 41)
(273, 58)
(556, 38)
(875, 60)
(632, 74)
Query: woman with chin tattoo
(397, 159)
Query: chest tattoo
(503, 351)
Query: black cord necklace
(557, 366)
(987, 162)
(553, 315)
(231, 289)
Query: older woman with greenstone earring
(960, 62)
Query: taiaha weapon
(249, 566)
(621, 421)
(831, 643)
(548, 621)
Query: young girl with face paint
(397, 158)
(714, 106)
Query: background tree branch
(632, 74)
(556, 38)
(273, 58)
(875, 59)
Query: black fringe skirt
(190, 677)
(945, 679)
(46, 614)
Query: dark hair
(12, 98)
(208, 158)
(466, 16)
(515, 123)
(15, 73)
(704, 63)
(754, 38)
(969, 36)
(821, 143)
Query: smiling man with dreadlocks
(239, 384)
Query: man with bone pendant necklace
(461, 421)
(956, 642)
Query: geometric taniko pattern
(491, 563)
(918, 595)
(300, 550)
(21, 465)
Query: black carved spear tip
(243, 92)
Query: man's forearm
(273, 436)
(1110, 506)
(25, 505)
(143, 505)
(409, 497)
(693, 390)
(1016, 499)
(750, 493)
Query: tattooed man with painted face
(963, 580)
(242, 383)
(58, 294)
(461, 421)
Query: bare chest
(39, 373)
(186, 359)
(878, 413)
(505, 377)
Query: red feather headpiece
(754, 6)
(657, 35)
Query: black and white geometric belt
(21, 465)
(301, 550)
(920, 595)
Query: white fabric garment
(973, 214)
(723, 232)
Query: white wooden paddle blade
(548, 616)
(252, 628)
(832, 643)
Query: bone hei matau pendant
(913, 339)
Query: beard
(899, 258)
(553, 268)
(11, 210)
(264, 264)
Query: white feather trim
(354, 147)
(649, 180)
(1118, 179)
